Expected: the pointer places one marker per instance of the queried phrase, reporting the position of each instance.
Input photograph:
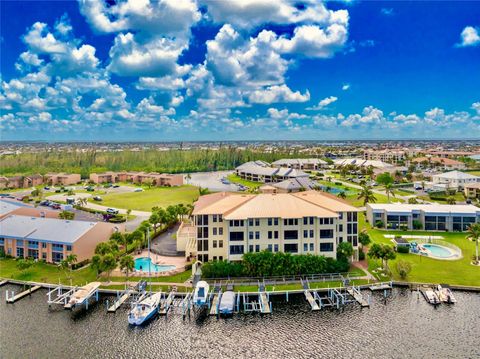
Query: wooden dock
(117, 304)
(355, 293)
(380, 286)
(167, 303)
(19, 296)
(265, 305)
(313, 303)
(215, 304)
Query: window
(305, 221)
(57, 247)
(33, 244)
(19, 242)
(270, 234)
(290, 235)
(44, 256)
(44, 245)
(69, 248)
(236, 236)
(257, 248)
(340, 215)
(220, 244)
(250, 222)
(220, 218)
(305, 247)
(290, 248)
(214, 231)
(275, 221)
(220, 231)
(305, 233)
(214, 244)
(269, 248)
(276, 247)
(250, 235)
(340, 227)
(220, 258)
(214, 258)
(20, 252)
(269, 221)
(250, 248)
(257, 235)
(214, 218)
(275, 234)
(290, 222)
(57, 257)
(326, 247)
(236, 249)
(311, 233)
(326, 233)
(257, 222)
(311, 220)
(312, 247)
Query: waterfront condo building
(51, 239)
(156, 179)
(62, 179)
(430, 217)
(229, 225)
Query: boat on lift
(200, 296)
(445, 294)
(145, 309)
(82, 294)
(227, 303)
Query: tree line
(151, 160)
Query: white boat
(431, 297)
(201, 293)
(145, 309)
(445, 295)
(82, 294)
(227, 303)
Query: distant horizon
(203, 70)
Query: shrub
(379, 224)
(117, 219)
(403, 227)
(403, 268)
(417, 224)
(403, 249)
(361, 255)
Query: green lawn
(430, 270)
(238, 180)
(144, 201)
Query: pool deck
(178, 262)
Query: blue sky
(239, 70)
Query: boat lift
(167, 303)
(60, 295)
(12, 298)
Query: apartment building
(431, 217)
(301, 163)
(62, 179)
(472, 190)
(444, 163)
(386, 155)
(455, 179)
(51, 239)
(157, 179)
(19, 208)
(230, 225)
(259, 171)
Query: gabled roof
(326, 200)
(219, 203)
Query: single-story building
(52, 239)
(23, 209)
(430, 217)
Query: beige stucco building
(229, 225)
(157, 179)
(62, 179)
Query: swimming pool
(334, 190)
(437, 251)
(142, 264)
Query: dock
(121, 298)
(215, 303)
(265, 307)
(13, 298)
(355, 293)
(381, 286)
(308, 295)
(167, 303)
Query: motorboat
(430, 296)
(445, 294)
(200, 295)
(227, 303)
(82, 294)
(145, 309)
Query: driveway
(166, 242)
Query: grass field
(236, 179)
(430, 270)
(144, 201)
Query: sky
(175, 70)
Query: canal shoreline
(399, 284)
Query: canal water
(403, 327)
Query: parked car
(54, 205)
(116, 186)
(21, 198)
(46, 188)
(97, 198)
(112, 211)
(6, 195)
(90, 189)
(138, 190)
(108, 185)
(45, 203)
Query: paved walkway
(166, 242)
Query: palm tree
(127, 263)
(367, 194)
(342, 195)
(474, 235)
(389, 191)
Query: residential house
(455, 179)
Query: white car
(112, 211)
(138, 190)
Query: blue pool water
(333, 190)
(438, 251)
(141, 264)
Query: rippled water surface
(405, 327)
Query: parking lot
(212, 181)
